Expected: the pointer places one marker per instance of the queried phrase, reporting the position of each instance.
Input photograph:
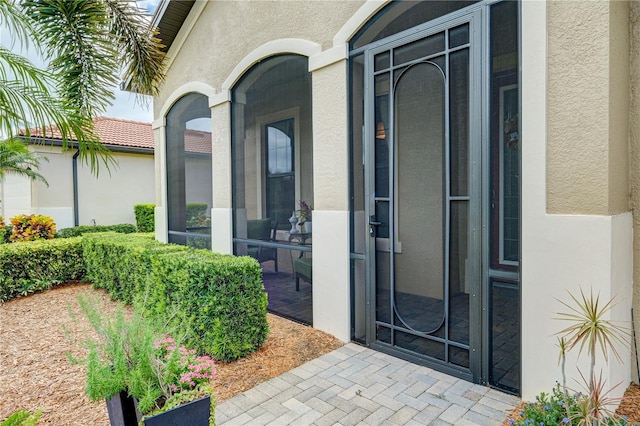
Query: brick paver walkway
(355, 385)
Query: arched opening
(189, 171)
(272, 157)
(435, 186)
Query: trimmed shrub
(217, 301)
(196, 214)
(76, 231)
(145, 217)
(120, 263)
(32, 227)
(38, 265)
(3, 231)
(7, 234)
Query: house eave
(74, 145)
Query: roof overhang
(169, 17)
(74, 145)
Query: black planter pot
(123, 410)
(194, 413)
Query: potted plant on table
(304, 214)
(145, 376)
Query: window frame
(262, 122)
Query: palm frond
(19, 27)
(141, 51)
(81, 54)
(15, 158)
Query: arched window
(189, 174)
(272, 154)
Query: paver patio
(356, 385)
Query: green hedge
(38, 265)
(120, 263)
(5, 232)
(217, 301)
(145, 217)
(76, 231)
(194, 210)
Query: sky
(124, 105)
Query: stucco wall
(212, 51)
(587, 107)
(634, 158)
(15, 196)
(108, 198)
(59, 174)
(586, 248)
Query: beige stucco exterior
(577, 121)
(587, 101)
(106, 199)
(634, 158)
(315, 21)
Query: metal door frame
(477, 339)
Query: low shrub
(38, 265)
(145, 217)
(590, 330)
(6, 231)
(3, 230)
(76, 231)
(559, 408)
(217, 301)
(196, 214)
(119, 263)
(31, 227)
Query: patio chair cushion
(259, 229)
(303, 267)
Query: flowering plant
(304, 213)
(181, 368)
(131, 356)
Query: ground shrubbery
(120, 263)
(38, 265)
(76, 231)
(145, 217)
(32, 227)
(217, 301)
(588, 329)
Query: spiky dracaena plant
(590, 331)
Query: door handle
(372, 229)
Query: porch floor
(284, 300)
(356, 385)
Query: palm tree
(87, 44)
(15, 158)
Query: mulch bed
(37, 333)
